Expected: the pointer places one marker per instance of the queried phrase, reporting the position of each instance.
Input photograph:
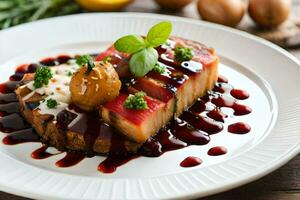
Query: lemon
(103, 5)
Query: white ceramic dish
(268, 73)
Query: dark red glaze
(90, 125)
(41, 153)
(229, 102)
(193, 127)
(217, 151)
(71, 158)
(202, 123)
(239, 94)
(112, 162)
(13, 122)
(191, 161)
(22, 136)
(239, 128)
(222, 79)
(8, 87)
(61, 59)
(48, 62)
(217, 115)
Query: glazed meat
(69, 127)
(168, 94)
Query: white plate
(246, 60)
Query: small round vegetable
(173, 4)
(226, 12)
(90, 89)
(269, 13)
(104, 5)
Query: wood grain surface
(284, 183)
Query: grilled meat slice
(176, 89)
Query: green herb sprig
(14, 12)
(183, 54)
(51, 103)
(143, 53)
(136, 101)
(159, 68)
(42, 76)
(86, 60)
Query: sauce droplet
(239, 128)
(191, 161)
(217, 151)
(239, 94)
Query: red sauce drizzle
(20, 137)
(41, 153)
(239, 94)
(191, 161)
(222, 79)
(239, 128)
(190, 128)
(217, 151)
(112, 162)
(71, 158)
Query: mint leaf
(159, 34)
(130, 44)
(143, 61)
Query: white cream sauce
(57, 89)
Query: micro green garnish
(107, 59)
(86, 60)
(183, 54)
(168, 44)
(69, 73)
(143, 55)
(136, 101)
(159, 68)
(42, 76)
(51, 103)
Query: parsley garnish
(42, 76)
(136, 101)
(183, 54)
(86, 60)
(107, 59)
(70, 73)
(144, 56)
(159, 68)
(51, 103)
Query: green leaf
(159, 33)
(130, 44)
(143, 61)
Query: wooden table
(283, 184)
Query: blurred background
(274, 20)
